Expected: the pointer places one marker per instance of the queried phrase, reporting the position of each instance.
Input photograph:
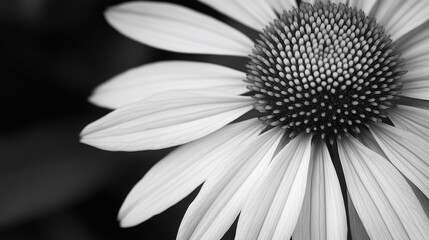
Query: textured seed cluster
(324, 69)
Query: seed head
(324, 69)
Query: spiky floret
(324, 69)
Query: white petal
(176, 28)
(407, 151)
(282, 5)
(183, 170)
(399, 17)
(323, 214)
(357, 230)
(414, 46)
(165, 120)
(412, 119)
(424, 201)
(221, 198)
(145, 81)
(414, 43)
(383, 199)
(272, 209)
(255, 14)
(416, 81)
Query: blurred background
(53, 53)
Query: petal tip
(86, 132)
(87, 137)
(124, 223)
(131, 218)
(97, 100)
(112, 13)
(87, 140)
(109, 12)
(124, 218)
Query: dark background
(53, 54)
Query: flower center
(324, 69)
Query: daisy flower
(325, 132)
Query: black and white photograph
(214, 120)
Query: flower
(337, 87)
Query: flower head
(340, 91)
(325, 69)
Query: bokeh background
(53, 53)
